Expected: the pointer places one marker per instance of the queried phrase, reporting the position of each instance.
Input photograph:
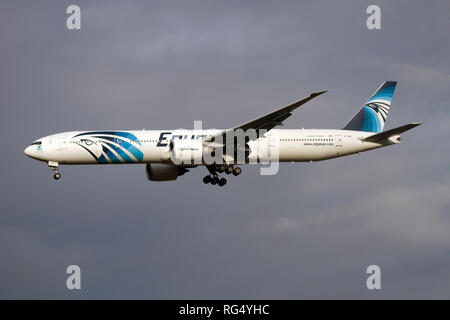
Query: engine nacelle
(186, 151)
(163, 172)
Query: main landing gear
(54, 167)
(214, 178)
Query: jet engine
(163, 172)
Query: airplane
(169, 154)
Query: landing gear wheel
(237, 171)
(222, 182)
(57, 176)
(221, 168)
(229, 170)
(215, 181)
(207, 179)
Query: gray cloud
(308, 232)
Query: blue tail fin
(373, 114)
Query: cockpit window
(36, 143)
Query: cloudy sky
(308, 232)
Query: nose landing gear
(54, 166)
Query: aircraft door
(338, 140)
(273, 146)
(62, 143)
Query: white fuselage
(151, 146)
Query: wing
(268, 121)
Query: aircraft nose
(27, 151)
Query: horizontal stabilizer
(393, 132)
